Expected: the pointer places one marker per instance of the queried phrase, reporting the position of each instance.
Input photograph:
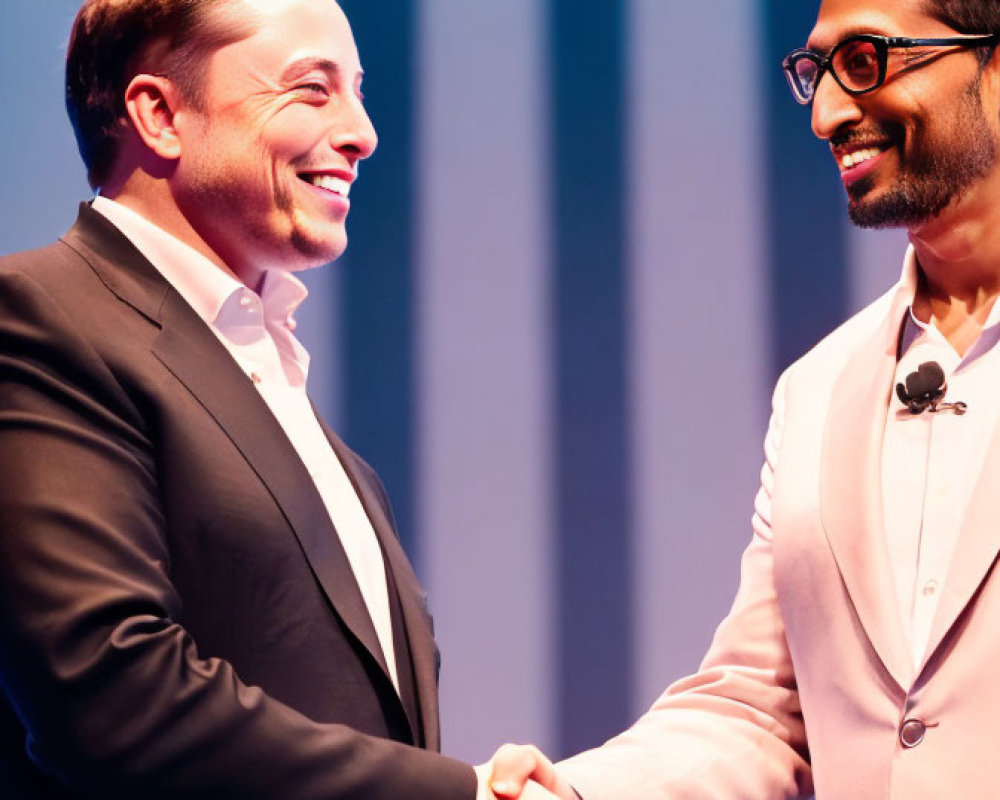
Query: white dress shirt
(257, 332)
(931, 462)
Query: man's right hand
(514, 769)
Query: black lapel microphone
(925, 389)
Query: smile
(859, 157)
(330, 183)
(857, 162)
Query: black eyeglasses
(859, 62)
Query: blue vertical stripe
(43, 176)
(699, 345)
(484, 474)
(376, 309)
(591, 425)
(805, 238)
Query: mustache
(876, 133)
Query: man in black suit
(201, 589)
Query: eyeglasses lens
(857, 65)
(805, 78)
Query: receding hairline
(227, 22)
(224, 22)
(232, 22)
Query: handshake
(521, 772)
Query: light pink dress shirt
(931, 462)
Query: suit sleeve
(735, 728)
(111, 691)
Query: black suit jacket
(177, 615)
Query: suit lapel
(852, 510)
(423, 649)
(188, 348)
(976, 548)
(851, 502)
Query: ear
(151, 102)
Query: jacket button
(911, 732)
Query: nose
(833, 108)
(356, 137)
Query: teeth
(330, 183)
(858, 157)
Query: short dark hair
(112, 41)
(968, 16)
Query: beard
(939, 169)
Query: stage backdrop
(593, 234)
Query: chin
(313, 250)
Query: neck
(959, 249)
(151, 198)
(959, 256)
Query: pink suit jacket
(809, 679)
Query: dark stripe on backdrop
(807, 252)
(593, 554)
(377, 301)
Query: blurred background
(593, 234)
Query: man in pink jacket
(861, 655)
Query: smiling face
(269, 155)
(926, 138)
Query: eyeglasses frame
(882, 44)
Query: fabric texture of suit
(177, 615)
(810, 677)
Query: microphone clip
(925, 389)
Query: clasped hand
(522, 772)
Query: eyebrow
(846, 34)
(302, 66)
